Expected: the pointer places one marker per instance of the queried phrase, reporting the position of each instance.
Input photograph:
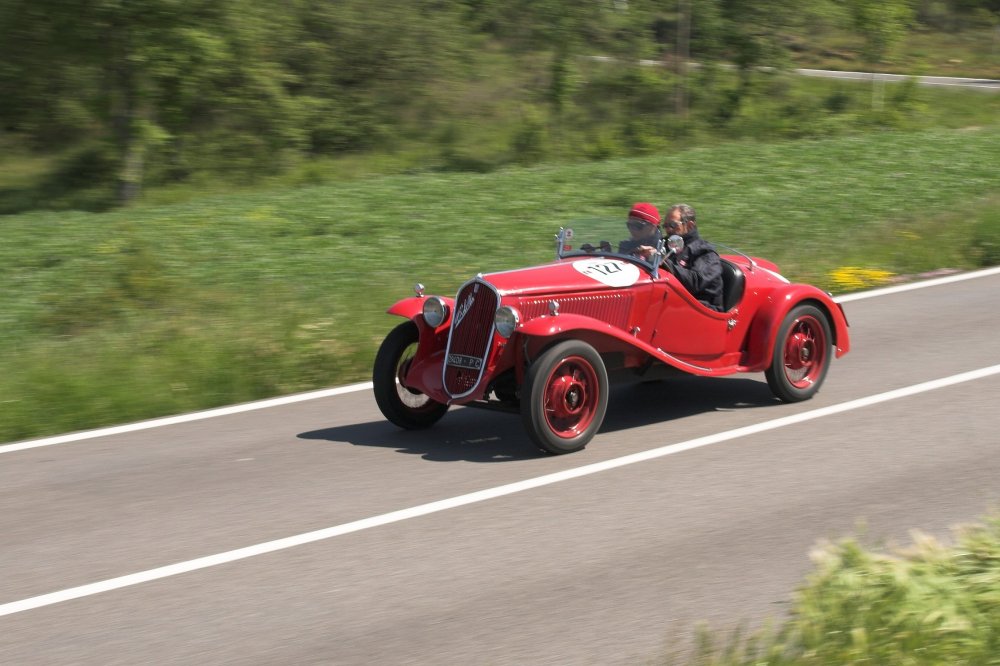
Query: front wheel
(802, 354)
(405, 407)
(565, 397)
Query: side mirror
(675, 243)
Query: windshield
(643, 244)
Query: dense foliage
(169, 87)
(131, 93)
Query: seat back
(733, 283)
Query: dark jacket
(699, 269)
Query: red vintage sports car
(543, 340)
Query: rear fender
(767, 321)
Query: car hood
(568, 275)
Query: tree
(750, 34)
(182, 85)
(565, 29)
(359, 70)
(141, 74)
(881, 23)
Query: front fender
(767, 321)
(431, 340)
(548, 326)
(413, 307)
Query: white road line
(184, 418)
(846, 298)
(365, 386)
(481, 496)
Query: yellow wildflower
(848, 278)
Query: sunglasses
(673, 225)
(635, 226)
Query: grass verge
(113, 317)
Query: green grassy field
(114, 317)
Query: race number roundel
(611, 272)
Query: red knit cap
(646, 212)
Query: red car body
(605, 312)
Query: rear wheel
(403, 406)
(565, 397)
(802, 354)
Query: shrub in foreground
(927, 604)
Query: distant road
(990, 85)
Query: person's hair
(687, 213)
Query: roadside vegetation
(925, 604)
(224, 280)
(149, 310)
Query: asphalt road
(613, 566)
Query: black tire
(565, 397)
(406, 408)
(802, 352)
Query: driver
(643, 228)
(697, 266)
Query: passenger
(698, 266)
(643, 228)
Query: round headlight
(435, 311)
(506, 320)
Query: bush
(454, 156)
(984, 245)
(528, 143)
(83, 179)
(927, 604)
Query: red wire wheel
(566, 391)
(802, 351)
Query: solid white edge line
(326, 393)
(184, 418)
(909, 286)
(480, 496)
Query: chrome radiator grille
(470, 337)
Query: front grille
(470, 337)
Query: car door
(687, 329)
